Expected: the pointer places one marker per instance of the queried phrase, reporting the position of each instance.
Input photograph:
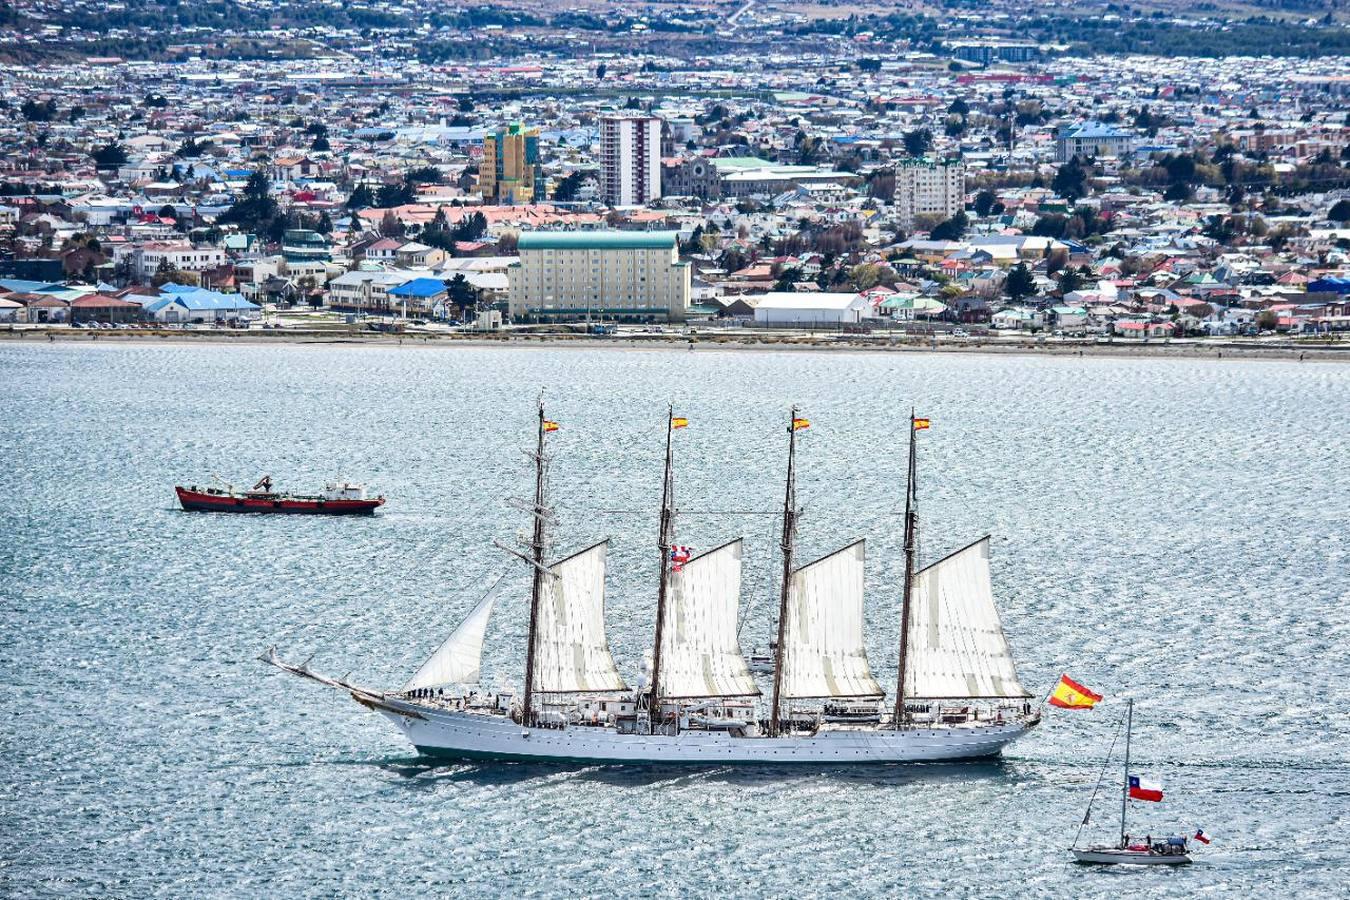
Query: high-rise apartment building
(511, 171)
(630, 159)
(927, 188)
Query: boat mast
(911, 538)
(1125, 785)
(789, 534)
(663, 542)
(537, 586)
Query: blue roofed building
(1093, 139)
(179, 303)
(420, 296)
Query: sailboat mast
(789, 535)
(911, 539)
(664, 543)
(1125, 784)
(537, 548)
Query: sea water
(1168, 530)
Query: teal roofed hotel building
(633, 276)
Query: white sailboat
(1169, 851)
(957, 695)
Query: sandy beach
(1307, 350)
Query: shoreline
(1212, 349)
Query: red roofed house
(102, 308)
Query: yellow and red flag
(1069, 694)
(678, 422)
(550, 426)
(921, 424)
(799, 424)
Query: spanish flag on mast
(921, 424)
(550, 426)
(1069, 694)
(678, 422)
(799, 424)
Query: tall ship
(957, 694)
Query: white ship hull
(1111, 856)
(469, 735)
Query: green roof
(597, 240)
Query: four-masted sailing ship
(957, 692)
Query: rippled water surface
(1169, 530)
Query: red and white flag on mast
(680, 555)
(1145, 789)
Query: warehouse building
(811, 308)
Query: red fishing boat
(340, 499)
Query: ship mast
(1125, 786)
(537, 586)
(911, 538)
(789, 535)
(663, 542)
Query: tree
(1178, 191)
(1019, 282)
(865, 276)
(869, 64)
(918, 142)
(460, 292)
(566, 189)
(362, 197)
(600, 71)
(168, 212)
(394, 195)
(787, 278)
(950, 230)
(190, 147)
(470, 228)
(1069, 281)
(1266, 320)
(320, 145)
(255, 210)
(424, 175)
(959, 107)
(390, 226)
(110, 156)
(34, 111)
(984, 202)
(1056, 259)
(1340, 212)
(1070, 180)
(165, 273)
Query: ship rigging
(957, 692)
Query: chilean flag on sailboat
(1145, 789)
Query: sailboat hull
(1113, 856)
(472, 736)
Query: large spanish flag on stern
(1069, 694)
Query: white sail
(458, 660)
(571, 650)
(823, 651)
(956, 647)
(700, 653)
